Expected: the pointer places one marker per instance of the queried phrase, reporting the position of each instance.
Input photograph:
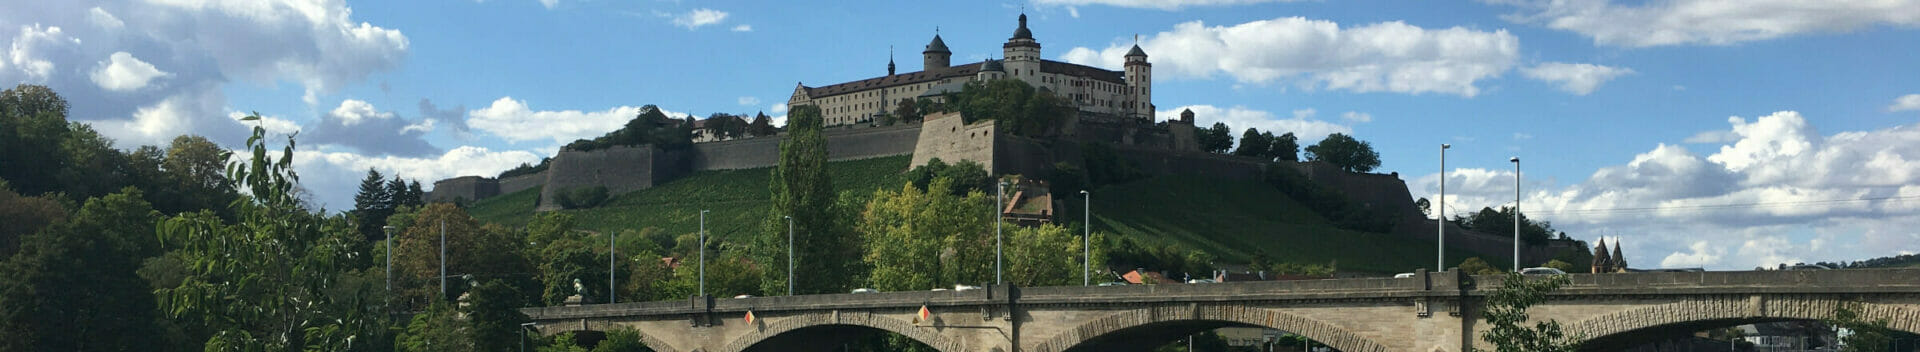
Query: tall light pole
(789, 254)
(703, 253)
(1086, 236)
(443, 259)
(389, 231)
(610, 256)
(1516, 213)
(1441, 242)
(997, 214)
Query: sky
(1697, 133)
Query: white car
(742, 296)
(965, 287)
(1541, 271)
(1402, 275)
(865, 290)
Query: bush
(1329, 203)
(583, 197)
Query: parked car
(938, 289)
(1808, 267)
(1202, 281)
(1541, 271)
(865, 290)
(743, 296)
(1402, 275)
(965, 287)
(1113, 283)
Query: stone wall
(948, 137)
(462, 189)
(842, 144)
(522, 182)
(619, 169)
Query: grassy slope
(736, 200)
(1235, 220)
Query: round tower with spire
(1022, 53)
(936, 56)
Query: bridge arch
(1740, 309)
(1331, 335)
(775, 327)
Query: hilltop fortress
(1115, 110)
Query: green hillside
(1234, 220)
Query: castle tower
(1022, 54)
(889, 60)
(1186, 116)
(1139, 75)
(990, 70)
(1619, 260)
(936, 56)
(1601, 262)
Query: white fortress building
(1125, 93)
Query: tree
(195, 177)
(72, 287)
(1015, 107)
(1562, 265)
(25, 215)
(1286, 147)
(1425, 206)
(1341, 150)
(1049, 255)
(1216, 139)
(494, 316)
(801, 189)
(489, 253)
(622, 340)
(1501, 221)
(1476, 266)
(244, 277)
(1253, 144)
(1867, 336)
(372, 205)
(907, 111)
(1506, 312)
(918, 240)
(439, 328)
(33, 122)
(967, 176)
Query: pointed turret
(1619, 260)
(936, 56)
(1601, 262)
(889, 60)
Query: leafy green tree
(1048, 255)
(906, 111)
(1351, 155)
(967, 176)
(1216, 139)
(25, 215)
(1015, 106)
(825, 252)
(72, 287)
(33, 124)
(1476, 266)
(197, 167)
(1286, 147)
(570, 259)
(1562, 265)
(439, 328)
(622, 340)
(1867, 335)
(1501, 221)
(1105, 166)
(244, 278)
(493, 314)
(918, 240)
(372, 205)
(1506, 314)
(1253, 144)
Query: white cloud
(332, 174)
(1149, 4)
(353, 112)
(26, 51)
(1717, 136)
(1775, 191)
(550, 4)
(273, 124)
(1239, 118)
(1907, 102)
(423, 126)
(699, 17)
(778, 108)
(105, 20)
(1714, 22)
(1355, 116)
(743, 28)
(122, 72)
(749, 101)
(514, 121)
(1073, 11)
(1579, 79)
(1380, 57)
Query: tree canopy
(1016, 107)
(1351, 155)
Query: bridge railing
(1759, 281)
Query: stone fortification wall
(619, 169)
(842, 144)
(464, 188)
(947, 137)
(522, 182)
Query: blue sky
(1702, 133)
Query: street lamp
(998, 213)
(1441, 241)
(1086, 236)
(703, 253)
(389, 231)
(789, 253)
(1516, 213)
(443, 259)
(610, 270)
(523, 335)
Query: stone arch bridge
(1425, 313)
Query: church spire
(889, 60)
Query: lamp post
(1441, 241)
(703, 253)
(523, 335)
(1516, 213)
(443, 259)
(789, 254)
(610, 270)
(997, 215)
(389, 231)
(1086, 237)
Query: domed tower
(1022, 53)
(936, 56)
(1139, 75)
(990, 70)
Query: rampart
(619, 169)
(842, 144)
(463, 188)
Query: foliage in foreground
(1506, 313)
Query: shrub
(583, 197)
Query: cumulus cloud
(1239, 118)
(1579, 79)
(273, 124)
(1380, 57)
(514, 121)
(1683, 22)
(1151, 4)
(1909, 102)
(105, 20)
(364, 128)
(122, 72)
(1355, 116)
(1774, 191)
(26, 52)
(699, 17)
